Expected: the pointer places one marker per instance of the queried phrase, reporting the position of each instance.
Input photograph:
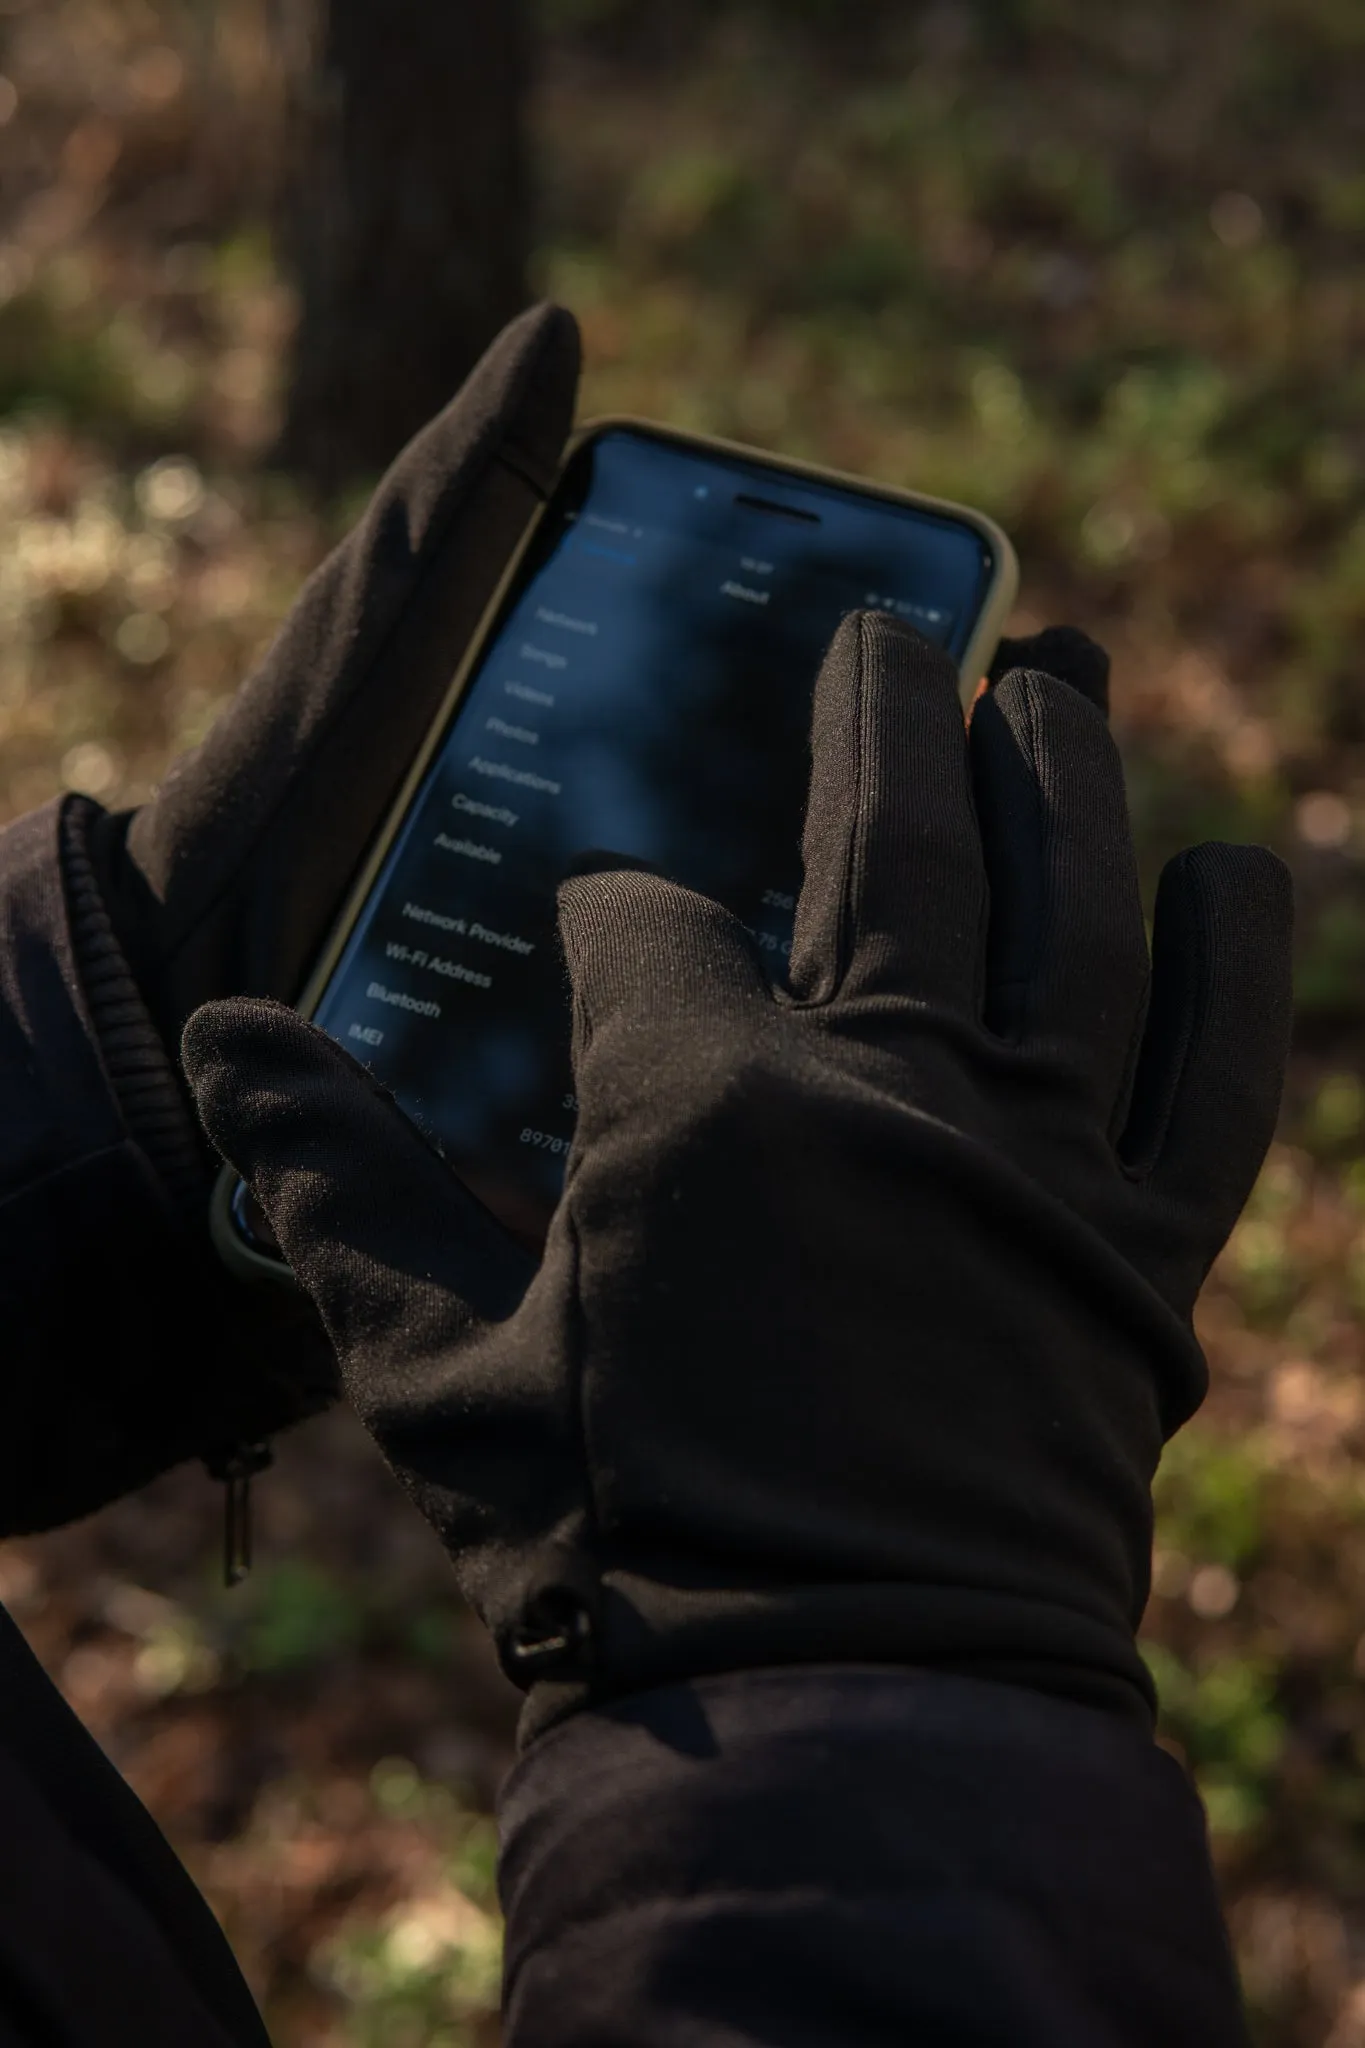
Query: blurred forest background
(1096, 270)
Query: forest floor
(1099, 277)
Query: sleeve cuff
(142, 1077)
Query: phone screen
(646, 692)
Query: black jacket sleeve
(777, 1859)
(126, 1349)
(791, 1858)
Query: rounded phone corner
(997, 604)
(233, 1244)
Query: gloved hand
(127, 1348)
(866, 1309)
(228, 879)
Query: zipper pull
(237, 1468)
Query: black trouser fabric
(103, 1936)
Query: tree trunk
(405, 217)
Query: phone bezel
(995, 608)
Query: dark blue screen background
(647, 692)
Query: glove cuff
(141, 1075)
(638, 1633)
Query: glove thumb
(376, 1227)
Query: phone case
(238, 1255)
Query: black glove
(1059, 651)
(227, 881)
(866, 1310)
(126, 1346)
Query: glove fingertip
(600, 860)
(1234, 905)
(335, 1162)
(245, 1059)
(1207, 1090)
(241, 1033)
(546, 350)
(1061, 651)
(212, 1025)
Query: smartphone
(641, 686)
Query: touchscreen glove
(126, 1347)
(867, 1306)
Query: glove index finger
(643, 952)
(375, 1225)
